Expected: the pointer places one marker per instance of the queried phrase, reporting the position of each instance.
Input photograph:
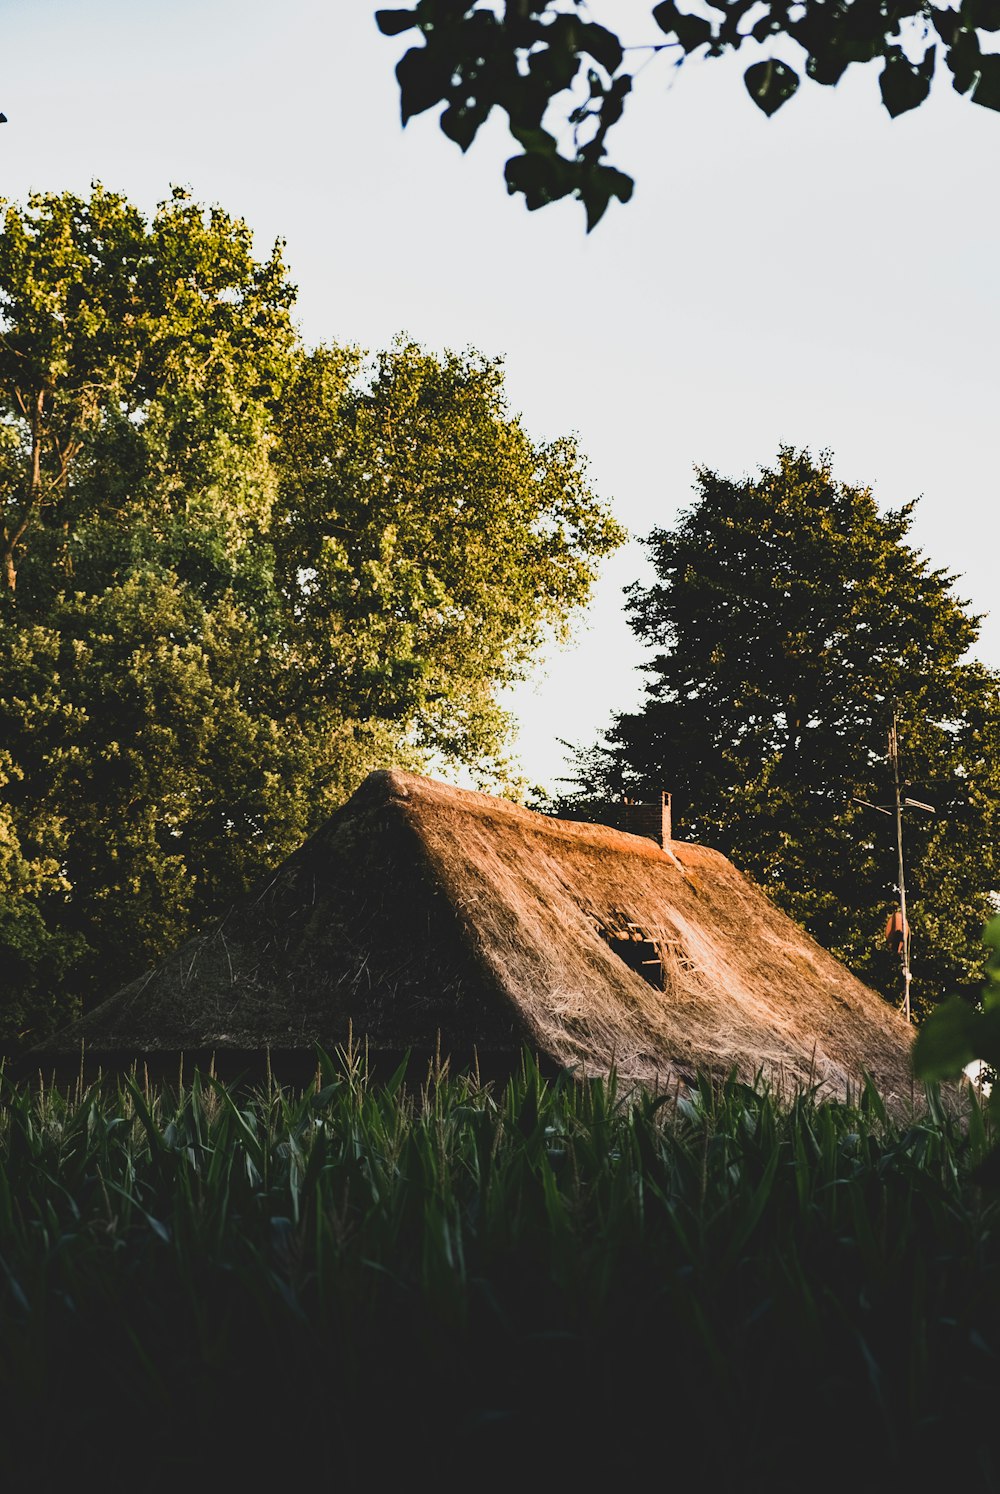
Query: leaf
(827, 66)
(984, 15)
(159, 1229)
(554, 66)
(770, 84)
(542, 178)
(156, 1142)
(965, 60)
(749, 1219)
(872, 1102)
(16, 1290)
(602, 45)
(987, 88)
(690, 31)
(393, 22)
(460, 123)
(423, 81)
(946, 1042)
(904, 85)
(601, 187)
(946, 24)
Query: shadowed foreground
(492, 1287)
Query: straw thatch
(421, 909)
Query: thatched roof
(421, 909)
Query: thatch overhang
(422, 914)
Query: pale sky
(827, 278)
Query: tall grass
(493, 1282)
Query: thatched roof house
(421, 909)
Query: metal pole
(894, 759)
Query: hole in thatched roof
(633, 945)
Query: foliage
(424, 544)
(788, 618)
(960, 1033)
(147, 348)
(563, 80)
(35, 955)
(375, 1276)
(236, 576)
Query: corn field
(531, 1280)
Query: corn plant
(375, 1275)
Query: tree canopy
(424, 544)
(116, 335)
(790, 617)
(237, 574)
(563, 79)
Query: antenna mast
(894, 760)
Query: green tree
(138, 365)
(134, 357)
(36, 952)
(424, 545)
(239, 576)
(563, 79)
(788, 617)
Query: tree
(240, 576)
(789, 618)
(35, 956)
(123, 343)
(138, 363)
(563, 80)
(424, 544)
